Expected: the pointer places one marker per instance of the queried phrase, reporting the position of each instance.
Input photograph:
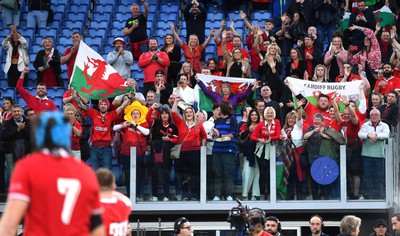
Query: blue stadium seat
(80, 1)
(69, 31)
(120, 24)
(56, 23)
(76, 16)
(164, 24)
(168, 16)
(39, 40)
(4, 33)
(58, 16)
(234, 15)
(62, 48)
(214, 7)
(65, 40)
(110, 39)
(3, 82)
(151, 16)
(258, 22)
(161, 31)
(36, 48)
(27, 32)
(106, 2)
(99, 24)
(152, 8)
(74, 24)
(104, 8)
(262, 15)
(56, 91)
(20, 101)
(97, 32)
(182, 33)
(63, 2)
(126, 2)
(218, 16)
(94, 40)
(169, 7)
(77, 7)
(213, 24)
(210, 49)
(59, 7)
(108, 48)
(48, 32)
(115, 33)
(32, 56)
(7, 92)
(104, 55)
(95, 47)
(123, 15)
(124, 8)
(104, 17)
(32, 76)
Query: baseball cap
(119, 39)
(160, 72)
(379, 222)
(309, 36)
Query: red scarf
(384, 49)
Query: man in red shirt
(101, 150)
(67, 98)
(310, 109)
(40, 102)
(388, 82)
(117, 207)
(152, 61)
(55, 193)
(69, 55)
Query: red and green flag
(213, 83)
(94, 78)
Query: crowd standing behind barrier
(301, 133)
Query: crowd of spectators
(166, 114)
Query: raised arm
(204, 45)
(121, 108)
(217, 40)
(176, 35)
(231, 26)
(245, 20)
(146, 8)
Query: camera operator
(256, 222)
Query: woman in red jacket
(135, 131)
(264, 133)
(191, 135)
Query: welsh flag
(385, 16)
(94, 78)
(311, 90)
(213, 83)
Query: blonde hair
(278, 51)
(266, 110)
(325, 79)
(49, 39)
(68, 107)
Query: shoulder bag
(176, 150)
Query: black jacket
(54, 63)
(195, 24)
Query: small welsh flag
(94, 78)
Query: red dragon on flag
(94, 78)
